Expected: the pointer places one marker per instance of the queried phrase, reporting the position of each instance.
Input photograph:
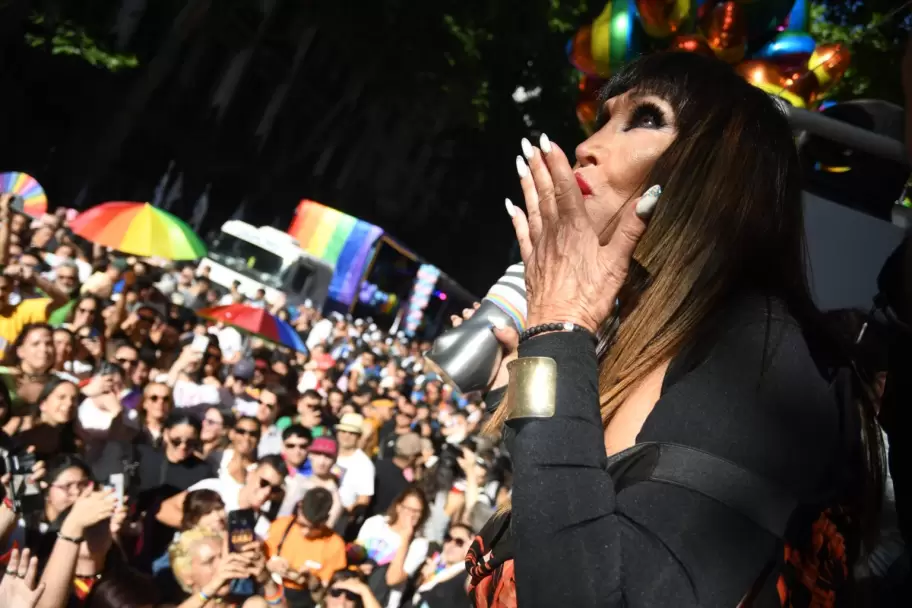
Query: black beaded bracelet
(552, 327)
(70, 539)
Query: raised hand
(18, 589)
(90, 508)
(570, 276)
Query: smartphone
(26, 492)
(116, 483)
(200, 344)
(240, 529)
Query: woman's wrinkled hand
(570, 276)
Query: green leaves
(67, 38)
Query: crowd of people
(151, 457)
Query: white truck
(269, 259)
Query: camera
(25, 494)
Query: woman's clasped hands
(570, 276)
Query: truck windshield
(248, 259)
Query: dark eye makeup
(645, 115)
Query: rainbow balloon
(24, 185)
(338, 239)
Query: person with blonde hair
(205, 569)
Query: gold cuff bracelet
(532, 389)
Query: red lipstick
(583, 185)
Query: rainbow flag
(338, 239)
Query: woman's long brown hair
(730, 218)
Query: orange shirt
(323, 555)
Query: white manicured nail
(497, 322)
(545, 144)
(511, 210)
(527, 150)
(521, 167)
(646, 205)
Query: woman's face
(455, 546)
(37, 350)
(613, 163)
(213, 425)
(60, 405)
(215, 520)
(63, 491)
(63, 346)
(86, 312)
(180, 441)
(157, 402)
(410, 509)
(321, 464)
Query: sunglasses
(181, 442)
(247, 432)
(297, 446)
(349, 595)
(273, 489)
(158, 398)
(459, 542)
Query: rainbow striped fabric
(338, 239)
(509, 294)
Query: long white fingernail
(646, 205)
(511, 210)
(545, 144)
(497, 322)
(528, 152)
(521, 167)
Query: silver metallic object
(468, 356)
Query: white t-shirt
(230, 341)
(230, 491)
(381, 544)
(356, 477)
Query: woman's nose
(585, 153)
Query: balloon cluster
(766, 40)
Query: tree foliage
(875, 32)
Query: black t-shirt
(156, 474)
(157, 480)
(389, 482)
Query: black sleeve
(580, 543)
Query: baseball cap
(325, 445)
(243, 370)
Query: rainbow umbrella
(34, 200)
(139, 229)
(256, 321)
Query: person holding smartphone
(304, 552)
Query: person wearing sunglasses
(347, 589)
(272, 401)
(264, 487)
(443, 577)
(234, 462)
(173, 467)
